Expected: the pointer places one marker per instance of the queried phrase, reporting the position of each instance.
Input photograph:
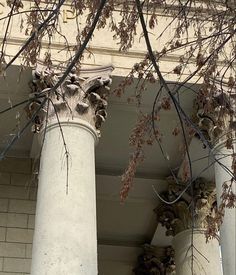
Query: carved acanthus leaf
(155, 261)
(179, 216)
(83, 97)
(215, 114)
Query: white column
(228, 228)
(218, 125)
(206, 256)
(65, 237)
(193, 255)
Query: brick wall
(17, 214)
(17, 209)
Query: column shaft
(228, 227)
(206, 256)
(65, 238)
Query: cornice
(106, 51)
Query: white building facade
(65, 216)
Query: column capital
(156, 261)
(177, 217)
(215, 108)
(82, 95)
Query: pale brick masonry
(17, 209)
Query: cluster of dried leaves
(228, 200)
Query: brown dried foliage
(228, 200)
